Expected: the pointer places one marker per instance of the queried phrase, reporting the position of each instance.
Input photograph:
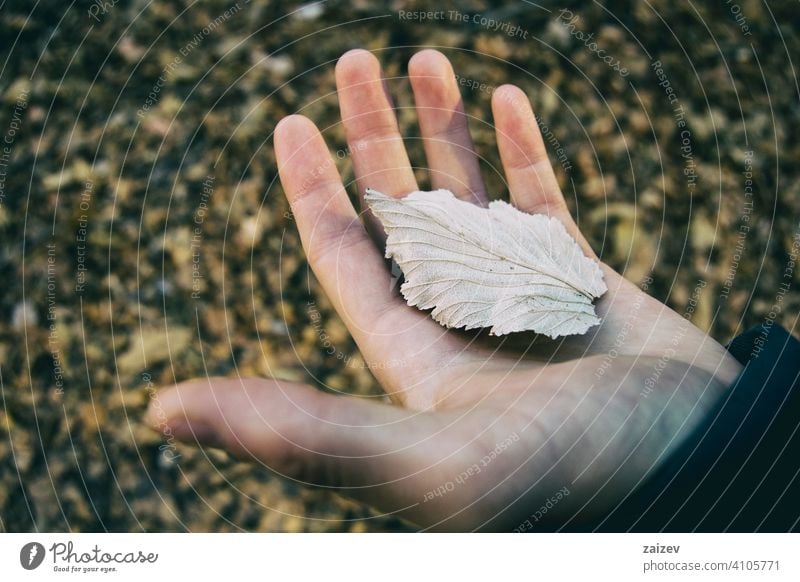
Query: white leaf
(491, 267)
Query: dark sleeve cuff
(739, 470)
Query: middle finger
(443, 123)
(379, 154)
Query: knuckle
(372, 133)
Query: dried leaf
(491, 267)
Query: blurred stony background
(146, 240)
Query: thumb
(375, 452)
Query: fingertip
(509, 100)
(429, 63)
(298, 146)
(508, 88)
(433, 80)
(290, 122)
(164, 405)
(293, 130)
(354, 55)
(356, 65)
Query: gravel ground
(146, 240)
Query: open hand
(482, 432)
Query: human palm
(482, 430)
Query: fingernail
(162, 406)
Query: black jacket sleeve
(739, 471)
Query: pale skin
(571, 413)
